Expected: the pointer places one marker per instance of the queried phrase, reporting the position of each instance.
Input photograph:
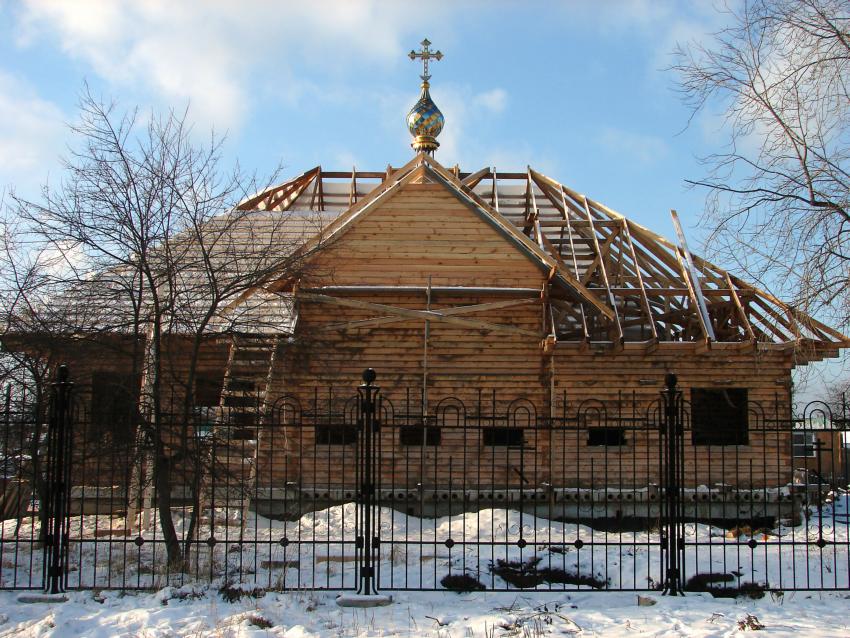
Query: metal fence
(371, 491)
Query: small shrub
(709, 583)
(261, 622)
(750, 622)
(461, 583)
(526, 575)
(232, 593)
(702, 582)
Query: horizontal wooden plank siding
(423, 232)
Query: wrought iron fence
(381, 490)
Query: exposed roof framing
(633, 285)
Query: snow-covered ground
(318, 551)
(229, 591)
(203, 612)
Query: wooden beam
(504, 226)
(495, 193)
(644, 298)
(663, 250)
(446, 312)
(611, 299)
(597, 261)
(321, 190)
(417, 314)
(287, 199)
(693, 297)
(472, 180)
(527, 213)
(740, 307)
(813, 323)
(535, 218)
(691, 271)
(281, 192)
(316, 185)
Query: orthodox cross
(426, 54)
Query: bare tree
(779, 204)
(154, 249)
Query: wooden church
(520, 330)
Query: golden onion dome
(425, 122)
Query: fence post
(672, 524)
(58, 483)
(367, 505)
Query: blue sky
(577, 89)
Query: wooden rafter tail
(780, 317)
(821, 327)
(768, 324)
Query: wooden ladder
(240, 416)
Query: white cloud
(494, 100)
(640, 148)
(31, 133)
(206, 51)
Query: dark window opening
(606, 436)
(719, 417)
(415, 434)
(503, 437)
(804, 445)
(336, 434)
(208, 389)
(114, 406)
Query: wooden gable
(424, 232)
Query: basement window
(336, 434)
(719, 416)
(500, 436)
(417, 434)
(606, 437)
(804, 445)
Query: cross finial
(426, 54)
